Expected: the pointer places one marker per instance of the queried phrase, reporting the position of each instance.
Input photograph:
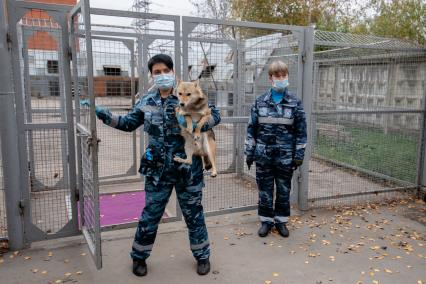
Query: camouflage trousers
(268, 175)
(189, 195)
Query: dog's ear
(178, 82)
(197, 83)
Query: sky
(175, 7)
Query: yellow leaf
(371, 273)
(50, 253)
(306, 262)
(275, 274)
(27, 257)
(66, 260)
(419, 282)
(44, 272)
(226, 238)
(375, 282)
(83, 254)
(268, 282)
(388, 270)
(79, 272)
(68, 274)
(34, 270)
(58, 281)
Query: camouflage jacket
(276, 133)
(161, 125)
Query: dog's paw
(213, 174)
(178, 159)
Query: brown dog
(194, 107)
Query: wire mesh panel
(42, 116)
(112, 62)
(114, 87)
(87, 152)
(231, 60)
(367, 118)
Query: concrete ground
(377, 243)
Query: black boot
(264, 229)
(203, 266)
(282, 229)
(139, 267)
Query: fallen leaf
(275, 274)
(268, 282)
(44, 272)
(34, 270)
(79, 272)
(58, 281)
(388, 270)
(27, 257)
(83, 254)
(68, 274)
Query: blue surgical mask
(164, 81)
(280, 85)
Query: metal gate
(87, 139)
(41, 72)
(231, 58)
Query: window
(52, 67)
(112, 71)
(54, 88)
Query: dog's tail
(207, 163)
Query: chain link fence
(366, 118)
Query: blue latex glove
(181, 120)
(148, 154)
(101, 112)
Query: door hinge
(69, 53)
(21, 206)
(9, 41)
(76, 194)
(304, 56)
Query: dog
(193, 105)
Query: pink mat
(121, 208)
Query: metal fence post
(9, 145)
(421, 163)
(307, 91)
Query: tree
(216, 9)
(405, 19)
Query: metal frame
(299, 192)
(16, 10)
(88, 137)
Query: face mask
(280, 85)
(164, 81)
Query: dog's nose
(182, 104)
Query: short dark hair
(160, 58)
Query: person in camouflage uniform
(276, 141)
(156, 111)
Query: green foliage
(405, 19)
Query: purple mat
(121, 208)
